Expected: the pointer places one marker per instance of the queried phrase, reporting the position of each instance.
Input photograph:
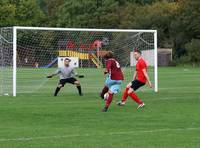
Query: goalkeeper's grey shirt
(66, 72)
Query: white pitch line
(100, 134)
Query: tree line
(177, 21)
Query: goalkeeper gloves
(81, 76)
(50, 76)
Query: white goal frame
(16, 28)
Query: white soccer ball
(106, 96)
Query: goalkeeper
(67, 75)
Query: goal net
(6, 61)
(28, 54)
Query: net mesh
(6, 61)
(38, 52)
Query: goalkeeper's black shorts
(137, 84)
(67, 80)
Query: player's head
(109, 55)
(67, 61)
(137, 54)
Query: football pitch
(170, 119)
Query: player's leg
(75, 82)
(125, 95)
(106, 87)
(104, 91)
(78, 86)
(114, 89)
(131, 92)
(60, 85)
(108, 100)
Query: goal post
(14, 61)
(155, 62)
(37, 49)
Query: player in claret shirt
(113, 80)
(140, 78)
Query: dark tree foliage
(177, 21)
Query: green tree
(89, 14)
(21, 12)
(186, 25)
(50, 8)
(156, 16)
(193, 51)
(76, 13)
(29, 13)
(7, 14)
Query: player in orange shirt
(140, 78)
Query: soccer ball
(106, 96)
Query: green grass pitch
(171, 118)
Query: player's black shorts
(67, 80)
(137, 84)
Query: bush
(193, 51)
(184, 60)
(172, 63)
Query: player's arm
(105, 71)
(76, 74)
(54, 74)
(108, 67)
(51, 75)
(147, 77)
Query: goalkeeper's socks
(56, 91)
(104, 90)
(79, 90)
(135, 98)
